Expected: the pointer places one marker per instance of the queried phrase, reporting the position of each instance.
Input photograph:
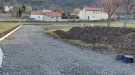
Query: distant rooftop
(52, 14)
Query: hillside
(58, 4)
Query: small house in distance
(92, 13)
(46, 16)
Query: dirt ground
(122, 40)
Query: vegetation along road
(29, 51)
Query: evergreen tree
(65, 15)
(19, 12)
(23, 8)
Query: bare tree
(1, 5)
(110, 7)
(28, 9)
(128, 6)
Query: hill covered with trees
(57, 4)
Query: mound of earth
(63, 34)
(121, 39)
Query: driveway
(29, 51)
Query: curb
(9, 33)
(1, 53)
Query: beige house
(92, 13)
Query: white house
(92, 13)
(6, 9)
(46, 16)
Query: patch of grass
(51, 33)
(5, 27)
(82, 44)
(65, 29)
(52, 30)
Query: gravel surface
(29, 51)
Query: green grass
(65, 29)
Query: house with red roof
(92, 13)
(46, 16)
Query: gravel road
(29, 51)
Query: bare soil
(121, 39)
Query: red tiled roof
(92, 9)
(37, 13)
(52, 14)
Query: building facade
(92, 13)
(46, 16)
